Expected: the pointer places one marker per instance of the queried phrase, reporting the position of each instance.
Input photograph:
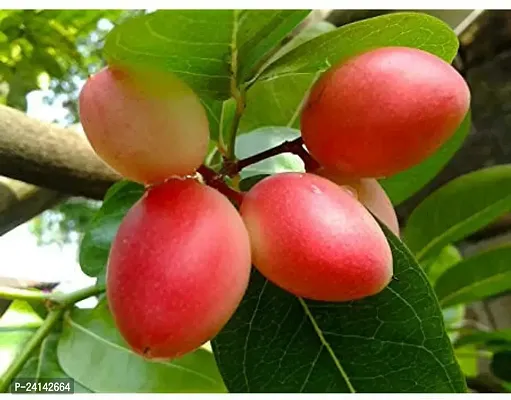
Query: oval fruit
(146, 125)
(314, 239)
(383, 111)
(370, 193)
(178, 268)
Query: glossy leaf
(92, 351)
(475, 278)
(401, 186)
(97, 240)
(409, 29)
(308, 33)
(44, 364)
(264, 139)
(457, 209)
(392, 342)
(204, 48)
(277, 96)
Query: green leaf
(475, 278)
(408, 29)
(448, 257)
(501, 365)
(214, 112)
(95, 246)
(45, 364)
(20, 314)
(11, 343)
(308, 33)
(276, 102)
(458, 209)
(392, 342)
(205, 48)
(401, 186)
(92, 351)
(277, 96)
(264, 139)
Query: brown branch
(20, 202)
(216, 181)
(293, 146)
(50, 156)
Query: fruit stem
(293, 146)
(52, 318)
(216, 181)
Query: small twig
(216, 181)
(293, 146)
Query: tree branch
(20, 202)
(50, 156)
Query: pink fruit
(147, 126)
(383, 111)
(178, 268)
(370, 193)
(314, 239)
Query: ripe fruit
(370, 193)
(314, 239)
(383, 111)
(147, 126)
(178, 268)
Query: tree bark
(20, 202)
(49, 156)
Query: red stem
(232, 168)
(293, 146)
(216, 181)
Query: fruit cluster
(181, 259)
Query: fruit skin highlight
(314, 239)
(383, 111)
(370, 193)
(146, 125)
(178, 268)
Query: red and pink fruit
(146, 125)
(383, 111)
(370, 193)
(314, 239)
(178, 268)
